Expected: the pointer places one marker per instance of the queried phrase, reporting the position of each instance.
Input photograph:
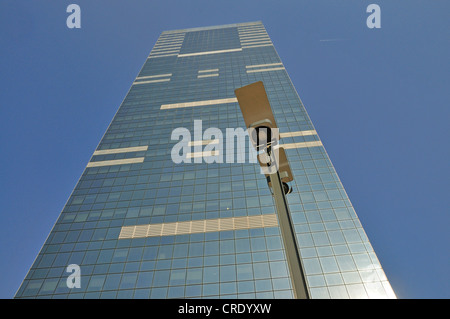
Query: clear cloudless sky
(377, 97)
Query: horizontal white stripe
(252, 33)
(164, 33)
(198, 226)
(164, 43)
(253, 25)
(168, 44)
(153, 76)
(207, 75)
(121, 150)
(160, 56)
(254, 41)
(151, 81)
(247, 41)
(160, 49)
(247, 33)
(116, 162)
(173, 36)
(210, 70)
(251, 28)
(202, 154)
(298, 133)
(250, 24)
(250, 38)
(165, 48)
(172, 33)
(256, 46)
(262, 65)
(173, 39)
(164, 52)
(264, 70)
(301, 145)
(209, 52)
(203, 142)
(198, 103)
(252, 44)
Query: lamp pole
(260, 121)
(289, 240)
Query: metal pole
(289, 240)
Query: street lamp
(264, 135)
(283, 168)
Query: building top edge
(213, 27)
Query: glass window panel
(244, 272)
(261, 270)
(346, 263)
(334, 279)
(211, 289)
(161, 278)
(194, 276)
(258, 244)
(144, 279)
(193, 291)
(96, 283)
(196, 249)
(329, 264)
(128, 280)
(227, 273)
(48, 286)
(320, 238)
(242, 245)
(177, 277)
(357, 291)
(227, 247)
(158, 293)
(176, 292)
(362, 261)
(351, 277)
(336, 237)
(352, 235)
(246, 286)
(281, 283)
(112, 281)
(312, 266)
(228, 288)
(338, 292)
(319, 293)
(211, 274)
(278, 269)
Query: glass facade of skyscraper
(140, 225)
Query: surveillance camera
(286, 188)
(263, 136)
(281, 165)
(258, 116)
(263, 131)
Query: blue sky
(377, 97)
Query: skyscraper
(141, 223)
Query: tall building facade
(140, 225)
